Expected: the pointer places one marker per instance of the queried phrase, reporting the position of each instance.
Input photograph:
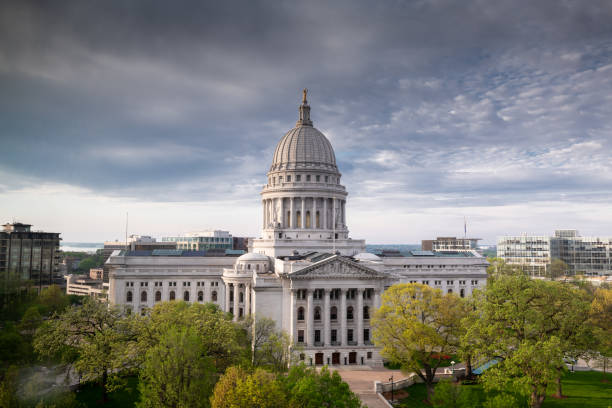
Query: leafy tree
(209, 322)
(601, 317)
(176, 372)
(30, 320)
(237, 388)
(8, 388)
(557, 268)
(305, 387)
(514, 326)
(53, 299)
(451, 395)
(499, 266)
(91, 336)
(415, 326)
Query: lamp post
(452, 370)
(391, 379)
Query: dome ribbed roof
(304, 146)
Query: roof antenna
(126, 230)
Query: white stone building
(305, 272)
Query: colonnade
(234, 305)
(304, 212)
(342, 323)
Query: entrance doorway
(336, 358)
(319, 359)
(353, 357)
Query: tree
(305, 387)
(601, 317)
(53, 299)
(30, 321)
(209, 322)
(514, 327)
(499, 266)
(450, 395)
(237, 388)
(415, 326)
(176, 372)
(557, 268)
(91, 336)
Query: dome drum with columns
(304, 204)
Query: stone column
(360, 317)
(313, 217)
(236, 307)
(343, 317)
(227, 297)
(263, 204)
(291, 215)
(247, 300)
(325, 213)
(293, 314)
(333, 213)
(326, 324)
(282, 212)
(303, 216)
(309, 319)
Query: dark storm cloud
(475, 101)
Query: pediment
(336, 267)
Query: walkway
(362, 382)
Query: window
(349, 335)
(231, 295)
(302, 356)
(349, 313)
(186, 296)
(333, 313)
(214, 296)
(300, 336)
(280, 179)
(317, 313)
(318, 294)
(334, 294)
(462, 293)
(200, 296)
(300, 313)
(437, 282)
(308, 177)
(450, 291)
(288, 178)
(241, 297)
(425, 282)
(367, 294)
(334, 335)
(128, 296)
(449, 282)
(317, 334)
(474, 282)
(366, 312)
(301, 294)
(369, 354)
(298, 177)
(366, 335)
(158, 296)
(318, 178)
(143, 296)
(326, 179)
(172, 295)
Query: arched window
(462, 293)
(349, 313)
(200, 296)
(450, 291)
(241, 297)
(317, 313)
(186, 296)
(366, 312)
(288, 220)
(249, 266)
(128, 296)
(172, 295)
(214, 296)
(158, 296)
(308, 219)
(318, 220)
(143, 296)
(257, 267)
(333, 313)
(300, 313)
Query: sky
(498, 113)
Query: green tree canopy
(416, 325)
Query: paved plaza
(362, 382)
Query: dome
(366, 256)
(304, 146)
(252, 256)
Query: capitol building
(304, 271)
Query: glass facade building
(200, 241)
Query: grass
(583, 389)
(90, 395)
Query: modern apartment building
(583, 255)
(28, 258)
(202, 240)
(449, 244)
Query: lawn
(91, 395)
(583, 390)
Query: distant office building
(202, 240)
(583, 255)
(82, 286)
(135, 243)
(241, 243)
(96, 273)
(530, 252)
(28, 256)
(450, 244)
